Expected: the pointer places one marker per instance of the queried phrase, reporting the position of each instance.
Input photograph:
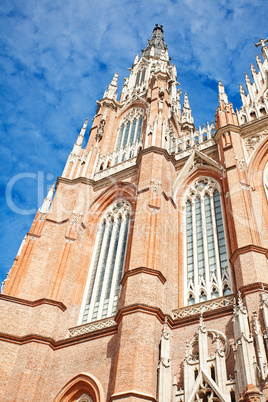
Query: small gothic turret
(225, 113)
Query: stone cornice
(140, 308)
(143, 270)
(111, 330)
(21, 340)
(78, 180)
(34, 303)
(253, 287)
(254, 126)
(123, 174)
(247, 249)
(107, 102)
(224, 129)
(156, 150)
(251, 127)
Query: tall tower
(144, 274)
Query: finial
(256, 325)
(253, 70)
(48, 200)
(242, 91)
(201, 323)
(264, 48)
(81, 135)
(186, 103)
(136, 58)
(239, 300)
(258, 59)
(111, 92)
(222, 95)
(247, 79)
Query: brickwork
(41, 360)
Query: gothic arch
(191, 176)
(89, 225)
(78, 386)
(118, 189)
(135, 103)
(257, 170)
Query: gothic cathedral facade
(144, 275)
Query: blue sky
(58, 57)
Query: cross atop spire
(264, 48)
(156, 41)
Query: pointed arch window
(130, 129)
(140, 77)
(107, 264)
(207, 274)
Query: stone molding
(34, 303)
(143, 270)
(247, 249)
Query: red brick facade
(46, 354)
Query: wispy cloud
(56, 60)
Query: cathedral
(144, 275)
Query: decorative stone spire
(253, 70)
(81, 136)
(48, 200)
(111, 91)
(186, 115)
(156, 44)
(222, 95)
(136, 59)
(264, 48)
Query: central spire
(156, 41)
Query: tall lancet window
(107, 264)
(140, 77)
(129, 135)
(207, 274)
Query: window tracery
(107, 263)
(206, 261)
(129, 131)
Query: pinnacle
(157, 42)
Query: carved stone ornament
(241, 165)
(252, 142)
(100, 129)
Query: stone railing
(118, 156)
(92, 326)
(118, 160)
(200, 139)
(225, 301)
